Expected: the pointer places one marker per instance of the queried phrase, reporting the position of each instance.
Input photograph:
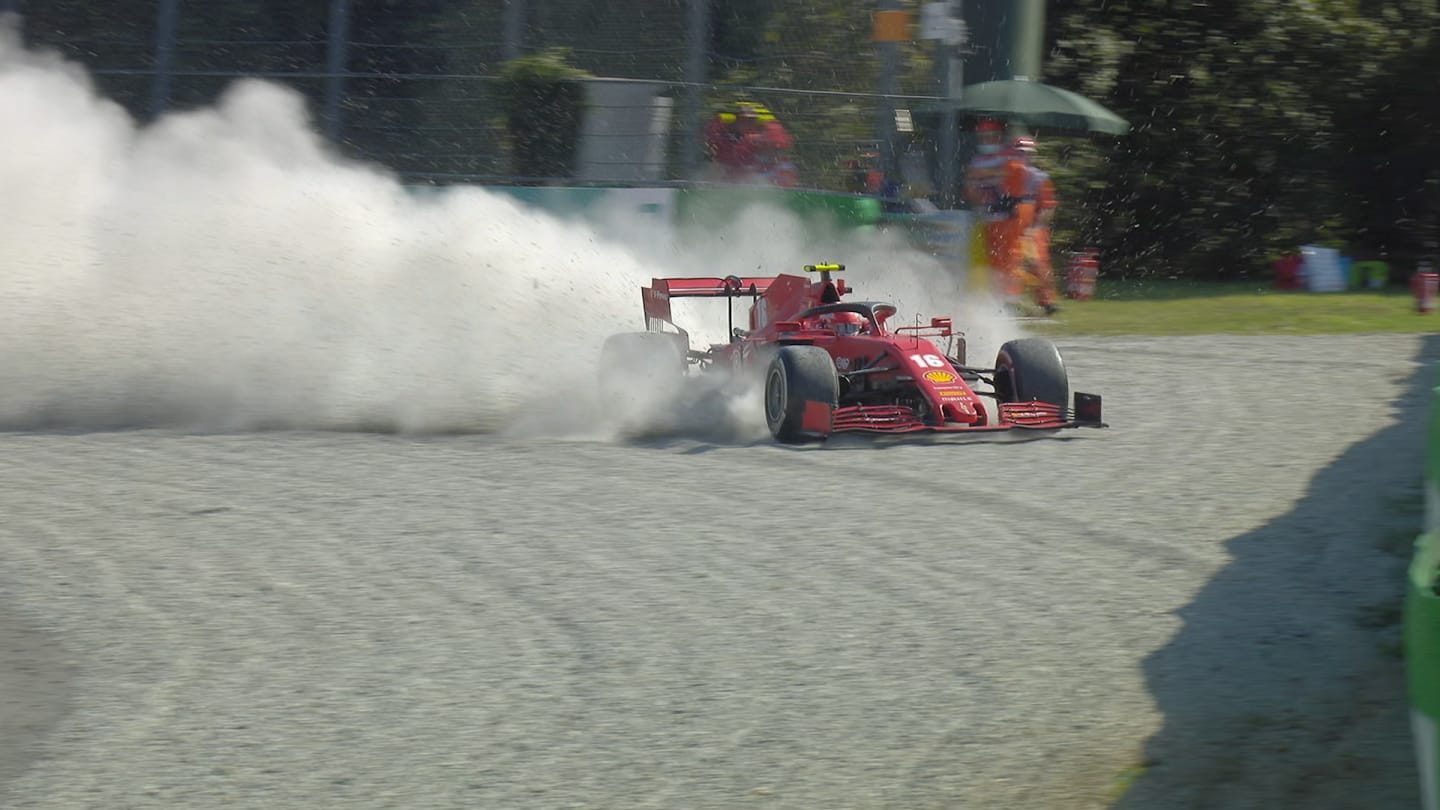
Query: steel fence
(423, 99)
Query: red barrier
(1081, 273)
(1425, 285)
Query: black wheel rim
(775, 397)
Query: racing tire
(640, 371)
(801, 392)
(1030, 370)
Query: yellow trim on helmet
(762, 113)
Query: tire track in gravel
(379, 621)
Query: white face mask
(989, 148)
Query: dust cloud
(222, 269)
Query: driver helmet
(845, 323)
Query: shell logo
(940, 376)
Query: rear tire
(800, 378)
(1030, 370)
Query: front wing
(1012, 416)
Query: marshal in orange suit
(1035, 210)
(994, 187)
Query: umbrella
(1039, 105)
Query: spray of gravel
(765, 240)
(222, 269)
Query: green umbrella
(1039, 105)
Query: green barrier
(706, 207)
(562, 201)
(1422, 626)
(946, 235)
(1432, 467)
(715, 206)
(1422, 656)
(1372, 275)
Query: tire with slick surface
(1031, 369)
(795, 376)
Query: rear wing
(656, 297)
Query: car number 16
(931, 360)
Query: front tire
(801, 393)
(1031, 370)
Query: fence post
(336, 58)
(1422, 625)
(166, 20)
(697, 36)
(949, 79)
(514, 25)
(888, 82)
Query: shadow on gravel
(1295, 697)
(844, 443)
(858, 441)
(34, 694)
(880, 441)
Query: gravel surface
(356, 620)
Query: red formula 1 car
(828, 365)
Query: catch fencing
(418, 91)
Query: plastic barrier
(595, 202)
(1321, 270)
(717, 205)
(1081, 273)
(1425, 285)
(1422, 626)
(1372, 275)
(947, 235)
(1422, 652)
(705, 207)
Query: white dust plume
(879, 266)
(222, 269)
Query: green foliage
(1255, 124)
(543, 101)
(1259, 125)
(537, 72)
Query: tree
(1245, 117)
(543, 100)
